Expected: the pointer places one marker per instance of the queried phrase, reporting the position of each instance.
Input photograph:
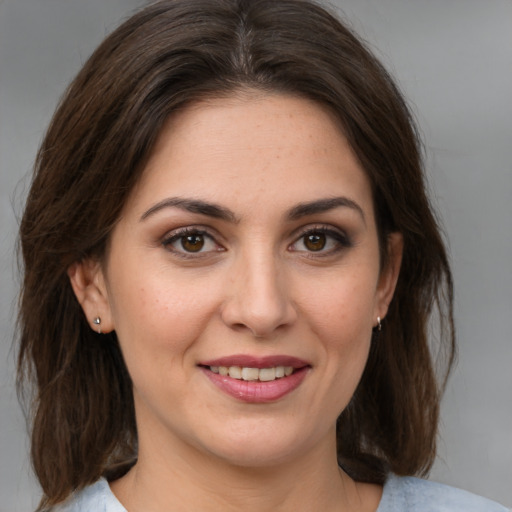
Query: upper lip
(248, 361)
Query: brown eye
(315, 241)
(324, 241)
(192, 243)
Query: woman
(230, 263)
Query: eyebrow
(193, 206)
(220, 212)
(324, 205)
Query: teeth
(266, 374)
(235, 372)
(249, 373)
(253, 374)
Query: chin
(255, 457)
(258, 445)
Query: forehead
(247, 148)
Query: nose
(258, 297)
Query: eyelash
(180, 234)
(340, 239)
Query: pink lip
(256, 391)
(256, 362)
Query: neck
(191, 480)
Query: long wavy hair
(165, 57)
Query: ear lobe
(87, 281)
(389, 274)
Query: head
(162, 62)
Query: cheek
(342, 306)
(157, 318)
(341, 316)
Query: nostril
(239, 327)
(259, 305)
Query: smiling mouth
(253, 374)
(255, 379)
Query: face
(243, 281)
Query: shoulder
(95, 498)
(409, 494)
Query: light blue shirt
(401, 494)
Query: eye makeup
(321, 241)
(191, 242)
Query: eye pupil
(315, 241)
(192, 243)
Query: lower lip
(257, 391)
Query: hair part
(166, 57)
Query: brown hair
(166, 56)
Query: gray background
(453, 58)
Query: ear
(90, 289)
(389, 274)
